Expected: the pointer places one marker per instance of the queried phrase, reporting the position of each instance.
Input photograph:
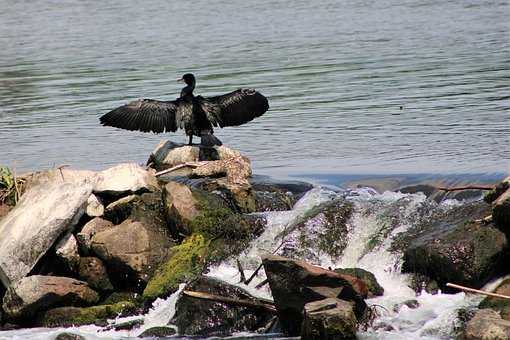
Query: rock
(322, 231)
(121, 209)
(457, 249)
(486, 324)
(295, 283)
(4, 210)
(240, 197)
(500, 188)
(67, 250)
(181, 206)
(35, 293)
(329, 319)
(208, 318)
(126, 325)
(42, 215)
(125, 178)
(75, 316)
(186, 262)
(237, 170)
(374, 288)
(271, 195)
(93, 271)
(62, 175)
(158, 332)
(69, 336)
(94, 207)
(420, 283)
(411, 304)
(499, 305)
(84, 237)
(168, 154)
(501, 212)
(131, 250)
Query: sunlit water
(335, 72)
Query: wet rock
(127, 325)
(271, 195)
(93, 271)
(69, 336)
(42, 215)
(420, 283)
(498, 304)
(84, 237)
(35, 293)
(94, 207)
(208, 318)
(67, 250)
(157, 332)
(486, 324)
(131, 250)
(76, 316)
(125, 178)
(295, 283)
(239, 196)
(323, 231)
(121, 209)
(374, 288)
(329, 319)
(181, 206)
(501, 212)
(458, 248)
(411, 304)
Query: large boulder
(94, 226)
(486, 324)
(457, 248)
(271, 195)
(374, 288)
(125, 178)
(93, 271)
(209, 318)
(131, 250)
(43, 214)
(35, 293)
(295, 283)
(67, 250)
(329, 319)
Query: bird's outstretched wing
(236, 108)
(147, 115)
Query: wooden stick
(241, 271)
(471, 290)
(230, 301)
(468, 187)
(177, 167)
(262, 284)
(247, 282)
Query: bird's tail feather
(210, 140)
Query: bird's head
(188, 78)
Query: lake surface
(336, 74)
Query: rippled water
(336, 73)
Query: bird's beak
(180, 80)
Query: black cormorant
(195, 114)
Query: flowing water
(434, 319)
(336, 74)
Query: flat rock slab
(43, 214)
(34, 293)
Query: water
(336, 73)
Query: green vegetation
(8, 190)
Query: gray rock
(181, 206)
(295, 283)
(157, 332)
(501, 212)
(131, 250)
(94, 207)
(498, 304)
(208, 318)
(69, 336)
(93, 271)
(120, 210)
(67, 250)
(486, 324)
(42, 215)
(125, 178)
(35, 293)
(329, 319)
(94, 226)
(456, 248)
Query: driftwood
(467, 187)
(476, 291)
(263, 304)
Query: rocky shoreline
(82, 247)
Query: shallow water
(335, 72)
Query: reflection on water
(336, 74)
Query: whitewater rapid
(434, 318)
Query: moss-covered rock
(75, 316)
(187, 261)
